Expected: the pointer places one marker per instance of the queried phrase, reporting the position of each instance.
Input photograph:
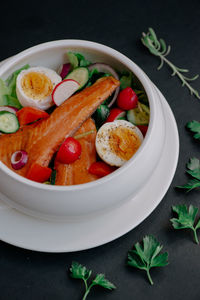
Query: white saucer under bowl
(31, 233)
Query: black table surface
(26, 274)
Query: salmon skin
(77, 172)
(42, 140)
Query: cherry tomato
(69, 151)
(143, 129)
(115, 113)
(100, 169)
(127, 99)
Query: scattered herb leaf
(80, 272)
(147, 256)
(194, 126)
(159, 48)
(186, 219)
(193, 170)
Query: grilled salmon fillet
(77, 172)
(42, 140)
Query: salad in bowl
(73, 124)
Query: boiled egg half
(117, 142)
(34, 87)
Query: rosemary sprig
(159, 48)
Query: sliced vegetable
(64, 70)
(101, 114)
(73, 60)
(115, 114)
(139, 115)
(143, 129)
(127, 99)
(69, 151)
(100, 67)
(8, 122)
(39, 173)
(63, 90)
(100, 169)
(28, 115)
(10, 109)
(19, 159)
(81, 75)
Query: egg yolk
(124, 142)
(36, 85)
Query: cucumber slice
(8, 122)
(81, 75)
(139, 115)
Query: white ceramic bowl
(56, 202)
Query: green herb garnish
(194, 126)
(80, 272)
(159, 48)
(186, 219)
(193, 170)
(147, 256)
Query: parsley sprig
(193, 170)
(159, 48)
(186, 219)
(147, 256)
(81, 272)
(194, 126)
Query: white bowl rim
(125, 61)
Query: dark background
(29, 275)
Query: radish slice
(10, 109)
(19, 159)
(64, 90)
(64, 70)
(106, 69)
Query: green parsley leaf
(146, 256)
(191, 185)
(193, 170)
(194, 126)
(80, 272)
(186, 219)
(102, 281)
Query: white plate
(30, 233)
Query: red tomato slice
(39, 173)
(100, 169)
(143, 129)
(28, 115)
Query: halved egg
(117, 142)
(34, 87)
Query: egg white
(25, 100)
(103, 147)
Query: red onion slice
(19, 159)
(106, 69)
(10, 109)
(64, 70)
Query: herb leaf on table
(147, 256)
(186, 219)
(79, 271)
(160, 49)
(194, 126)
(193, 170)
